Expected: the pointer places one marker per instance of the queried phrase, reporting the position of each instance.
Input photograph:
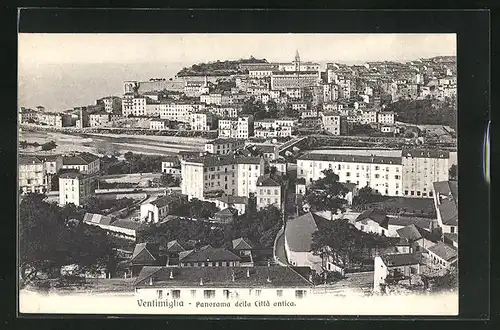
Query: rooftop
(351, 158)
(376, 215)
(224, 277)
(83, 158)
(29, 160)
(229, 199)
(226, 141)
(145, 253)
(242, 243)
(298, 232)
(267, 181)
(425, 153)
(228, 211)
(97, 218)
(71, 175)
(208, 253)
(396, 260)
(444, 251)
(174, 246)
(413, 232)
(221, 160)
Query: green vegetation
(136, 163)
(218, 68)
(49, 240)
(261, 227)
(326, 194)
(168, 180)
(426, 111)
(453, 172)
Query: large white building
(32, 175)
(385, 117)
(84, 162)
(241, 127)
(269, 192)
(75, 188)
(217, 98)
(332, 122)
(223, 146)
(179, 110)
(274, 127)
(232, 175)
(421, 168)
(382, 174)
(202, 121)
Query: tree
(453, 172)
(168, 180)
(327, 193)
(49, 146)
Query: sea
(60, 87)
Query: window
(300, 294)
(348, 174)
(279, 293)
(208, 294)
(377, 176)
(159, 294)
(406, 192)
(176, 294)
(452, 230)
(412, 193)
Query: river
(112, 143)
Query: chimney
(248, 272)
(151, 280)
(171, 274)
(233, 277)
(201, 281)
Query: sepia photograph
(238, 174)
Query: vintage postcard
(238, 174)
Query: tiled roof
(97, 218)
(208, 253)
(298, 232)
(221, 160)
(395, 260)
(174, 246)
(451, 236)
(444, 251)
(242, 243)
(244, 277)
(449, 212)
(29, 160)
(229, 199)
(376, 215)
(351, 158)
(267, 181)
(71, 175)
(144, 253)
(425, 153)
(127, 224)
(227, 211)
(412, 232)
(83, 158)
(405, 221)
(165, 200)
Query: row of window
(208, 294)
(418, 193)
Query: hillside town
(309, 180)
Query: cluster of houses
(327, 99)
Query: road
(354, 284)
(280, 250)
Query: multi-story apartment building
(225, 111)
(52, 163)
(382, 174)
(84, 162)
(159, 124)
(293, 93)
(98, 119)
(50, 119)
(421, 168)
(333, 122)
(274, 127)
(299, 106)
(224, 146)
(217, 98)
(74, 187)
(203, 121)
(241, 127)
(269, 192)
(180, 110)
(32, 175)
(368, 116)
(282, 80)
(112, 104)
(231, 175)
(330, 92)
(27, 115)
(171, 165)
(260, 72)
(344, 89)
(385, 117)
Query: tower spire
(297, 56)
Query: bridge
(292, 143)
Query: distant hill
(424, 112)
(218, 68)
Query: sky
(39, 49)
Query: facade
(226, 216)
(220, 99)
(446, 204)
(269, 192)
(421, 168)
(208, 256)
(202, 121)
(112, 104)
(333, 122)
(393, 266)
(154, 211)
(171, 165)
(236, 176)
(266, 128)
(443, 255)
(32, 175)
(241, 127)
(237, 202)
(224, 146)
(373, 221)
(222, 284)
(84, 162)
(179, 110)
(98, 119)
(382, 174)
(159, 124)
(282, 80)
(369, 117)
(225, 111)
(74, 188)
(385, 117)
